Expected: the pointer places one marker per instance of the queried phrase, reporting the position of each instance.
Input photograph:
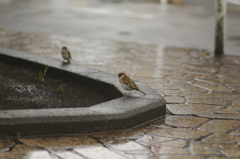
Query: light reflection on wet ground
(202, 96)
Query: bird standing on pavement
(128, 84)
(66, 54)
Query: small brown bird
(66, 54)
(128, 84)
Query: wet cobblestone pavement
(202, 94)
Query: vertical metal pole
(220, 15)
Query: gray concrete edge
(121, 108)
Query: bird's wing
(130, 83)
(70, 55)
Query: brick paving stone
(204, 100)
(39, 155)
(125, 134)
(226, 111)
(174, 99)
(205, 152)
(231, 96)
(219, 125)
(167, 157)
(208, 149)
(214, 146)
(146, 72)
(129, 147)
(220, 116)
(234, 84)
(146, 157)
(59, 142)
(5, 144)
(189, 87)
(184, 121)
(196, 70)
(232, 153)
(191, 108)
(182, 157)
(93, 152)
(21, 151)
(235, 106)
(175, 92)
(174, 143)
(180, 133)
(149, 140)
(159, 86)
(66, 154)
(236, 133)
(211, 87)
(219, 79)
(237, 89)
(221, 137)
(179, 80)
(216, 157)
(161, 150)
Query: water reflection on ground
(202, 95)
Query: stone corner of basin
(119, 113)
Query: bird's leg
(68, 60)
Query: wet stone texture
(202, 94)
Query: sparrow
(66, 54)
(128, 84)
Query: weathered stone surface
(167, 157)
(67, 154)
(124, 134)
(235, 106)
(199, 151)
(21, 151)
(174, 92)
(149, 140)
(219, 125)
(175, 143)
(206, 100)
(161, 86)
(174, 99)
(192, 108)
(5, 144)
(180, 133)
(130, 147)
(184, 121)
(236, 133)
(161, 150)
(220, 116)
(146, 156)
(59, 142)
(40, 154)
(221, 137)
(233, 153)
(226, 111)
(98, 152)
(215, 157)
(215, 146)
(212, 87)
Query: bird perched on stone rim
(66, 54)
(128, 84)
